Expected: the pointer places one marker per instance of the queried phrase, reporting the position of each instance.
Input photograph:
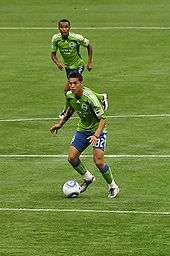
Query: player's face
(75, 86)
(64, 29)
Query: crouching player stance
(91, 129)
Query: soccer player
(68, 44)
(91, 129)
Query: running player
(68, 44)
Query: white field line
(90, 28)
(84, 156)
(82, 211)
(110, 116)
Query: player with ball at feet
(91, 130)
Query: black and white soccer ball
(71, 189)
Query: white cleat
(113, 192)
(86, 184)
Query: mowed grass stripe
(82, 211)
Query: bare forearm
(54, 129)
(90, 56)
(100, 127)
(54, 58)
(93, 138)
(56, 61)
(68, 114)
(90, 53)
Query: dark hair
(64, 20)
(76, 75)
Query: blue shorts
(80, 141)
(70, 71)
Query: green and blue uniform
(90, 112)
(69, 49)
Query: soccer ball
(71, 188)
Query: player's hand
(93, 140)
(54, 129)
(89, 66)
(60, 66)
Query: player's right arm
(69, 112)
(54, 56)
(56, 61)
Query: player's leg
(104, 168)
(74, 160)
(78, 145)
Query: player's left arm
(93, 138)
(101, 126)
(85, 42)
(99, 112)
(90, 57)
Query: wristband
(95, 136)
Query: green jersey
(70, 49)
(88, 109)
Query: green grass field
(131, 63)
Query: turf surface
(132, 66)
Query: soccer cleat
(105, 102)
(86, 184)
(113, 192)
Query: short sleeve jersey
(70, 49)
(88, 109)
